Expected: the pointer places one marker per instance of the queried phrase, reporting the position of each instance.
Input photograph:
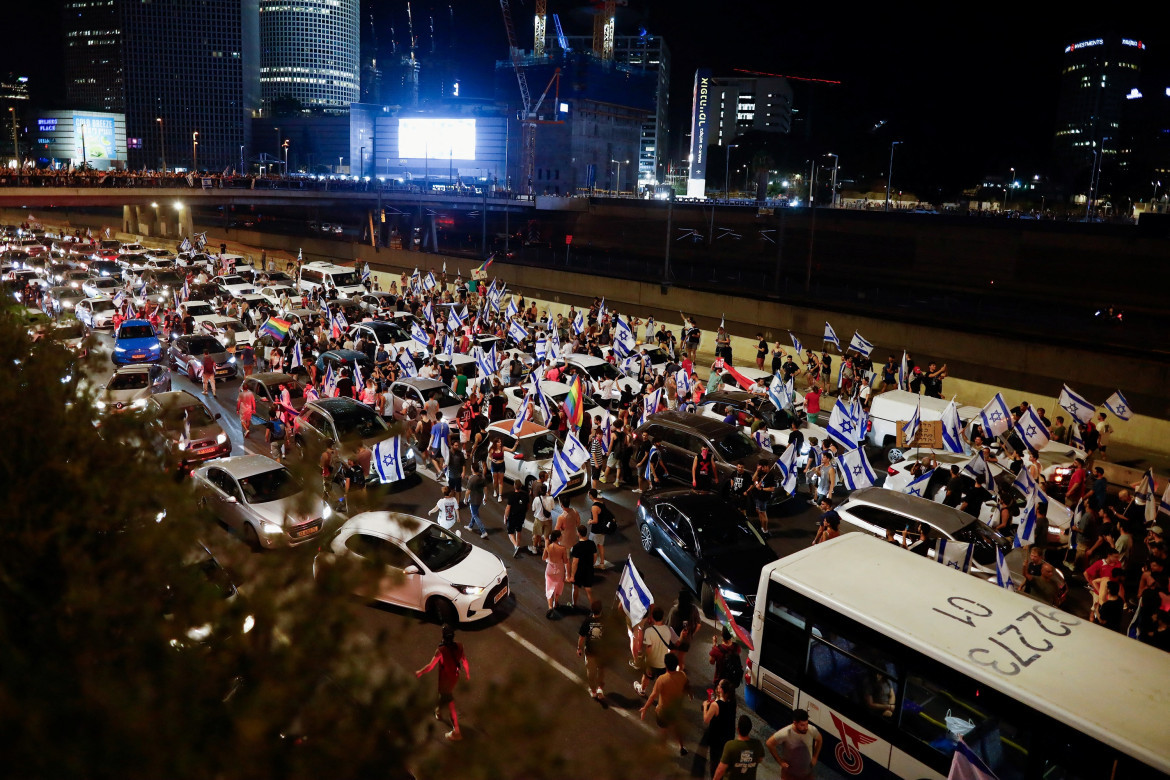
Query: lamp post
(195, 151)
(727, 170)
(15, 143)
(1007, 186)
(285, 145)
(619, 173)
(833, 185)
(890, 174)
(162, 144)
(84, 158)
(242, 172)
(362, 163)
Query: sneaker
(533, 550)
(639, 689)
(602, 478)
(636, 490)
(550, 614)
(468, 527)
(516, 552)
(453, 736)
(483, 535)
(499, 499)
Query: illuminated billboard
(97, 135)
(433, 138)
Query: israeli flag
(574, 453)
(521, 417)
(330, 383)
(1117, 404)
(633, 594)
(1074, 437)
(682, 381)
(904, 372)
(120, 299)
(607, 434)
(185, 293)
(601, 311)
(454, 323)
(648, 473)
(366, 273)
(628, 364)
(956, 555)
(517, 332)
(910, 429)
(918, 485)
(1146, 494)
(1081, 410)
(651, 405)
(1027, 521)
(842, 427)
(778, 393)
(429, 282)
(995, 417)
(494, 304)
(297, 360)
(185, 246)
(388, 460)
(420, 337)
(541, 348)
(406, 363)
(831, 336)
(449, 346)
(429, 313)
(1003, 577)
(493, 361)
(554, 341)
(512, 309)
(1164, 504)
(536, 390)
(561, 474)
(952, 429)
(623, 338)
(763, 438)
(359, 381)
(860, 345)
(482, 362)
(340, 320)
(787, 465)
(796, 345)
(578, 323)
(977, 467)
(1024, 482)
(1032, 430)
(856, 469)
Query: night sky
(970, 93)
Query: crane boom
(517, 62)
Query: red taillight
(518, 455)
(868, 426)
(893, 472)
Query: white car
(718, 404)
(100, 286)
(201, 311)
(162, 254)
(130, 387)
(887, 411)
(601, 372)
(95, 313)
(233, 286)
(554, 394)
(528, 454)
(414, 563)
(657, 358)
(416, 391)
(390, 334)
(218, 326)
(898, 478)
(132, 249)
(160, 263)
(275, 294)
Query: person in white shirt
(542, 509)
(447, 509)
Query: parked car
(136, 342)
(778, 422)
(233, 286)
(708, 543)
(417, 391)
(186, 355)
(219, 326)
(266, 387)
(130, 388)
(95, 313)
(261, 500)
(600, 371)
(344, 358)
(528, 454)
(184, 429)
(888, 411)
(345, 424)
(555, 394)
(414, 563)
(98, 286)
(64, 299)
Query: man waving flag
(995, 417)
(1081, 410)
(859, 344)
(1117, 404)
(796, 345)
(1032, 430)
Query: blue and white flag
(339, 321)
(956, 555)
(995, 417)
(606, 433)
(359, 381)
(1003, 577)
(841, 426)
(952, 429)
(763, 438)
(651, 405)
(574, 453)
(449, 346)
(429, 282)
(917, 486)
(778, 393)
(420, 337)
(562, 472)
(831, 336)
(623, 338)
(120, 299)
(633, 594)
(628, 363)
(1026, 534)
(682, 382)
(517, 332)
(366, 273)
(541, 348)
(910, 428)
(1117, 404)
(512, 309)
(788, 469)
(186, 291)
(1074, 436)
(904, 372)
(492, 360)
(601, 312)
(1032, 430)
(546, 412)
(521, 417)
(297, 360)
(481, 361)
(859, 344)
(185, 246)
(1164, 504)
(429, 313)
(406, 363)
(855, 469)
(1024, 482)
(1081, 410)
(578, 323)
(454, 321)
(648, 472)
(796, 345)
(977, 467)
(330, 383)
(387, 459)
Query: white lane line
(571, 675)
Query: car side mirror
(410, 570)
(232, 500)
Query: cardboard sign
(929, 435)
(479, 274)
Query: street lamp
(362, 163)
(162, 145)
(727, 170)
(195, 151)
(285, 145)
(619, 173)
(890, 174)
(15, 143)
(833, 184)
(242, 171)
(1005, 188)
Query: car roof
(136, 368)
(272, 377)
(334, 405)
(345, 354)
(244, 466)
(394, 525)
(529, 428)
(422, 383)
(176, 399)
(694, 422)
(588, 361)
(135, 322)
(944, 517)
(729, 396)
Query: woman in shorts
(496, 463)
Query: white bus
(895, 656)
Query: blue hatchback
(136, 342)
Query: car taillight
(518, 455)
(868, 426)
(893, 472)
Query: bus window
(1071, 755)
(937, 717)
(785, 647)
(850, 668)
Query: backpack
(277, 428)
(733, 668)
(606, 522)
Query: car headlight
(731, 595)
(139, 404)
(199, 633)
(119, 349)
(469, 590)
(231, 360)
(154, 347)
(326, 512)
(410, 453)
(271, 528)
(183, 444)
(221, 438)
(249, 623)
(100, 404)
(67, 304)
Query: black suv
(682, 434)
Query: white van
(887, 410)
(319, 275)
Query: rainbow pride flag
(574, 404)
(276, 327)
(728, 619)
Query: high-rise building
(310, 51)
(176, 68)
(740, 105)
(93, 55)
(1097, 77)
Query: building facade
(310, 52)
(741, 105)
(94, 79)
(79, 138)
(1097, 78)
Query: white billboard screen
(440, 139)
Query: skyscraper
(309, 51)
(1097, 76)
(193, 64)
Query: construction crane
(541, 24)
(603, 21)
(529, 112)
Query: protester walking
(449, 658)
